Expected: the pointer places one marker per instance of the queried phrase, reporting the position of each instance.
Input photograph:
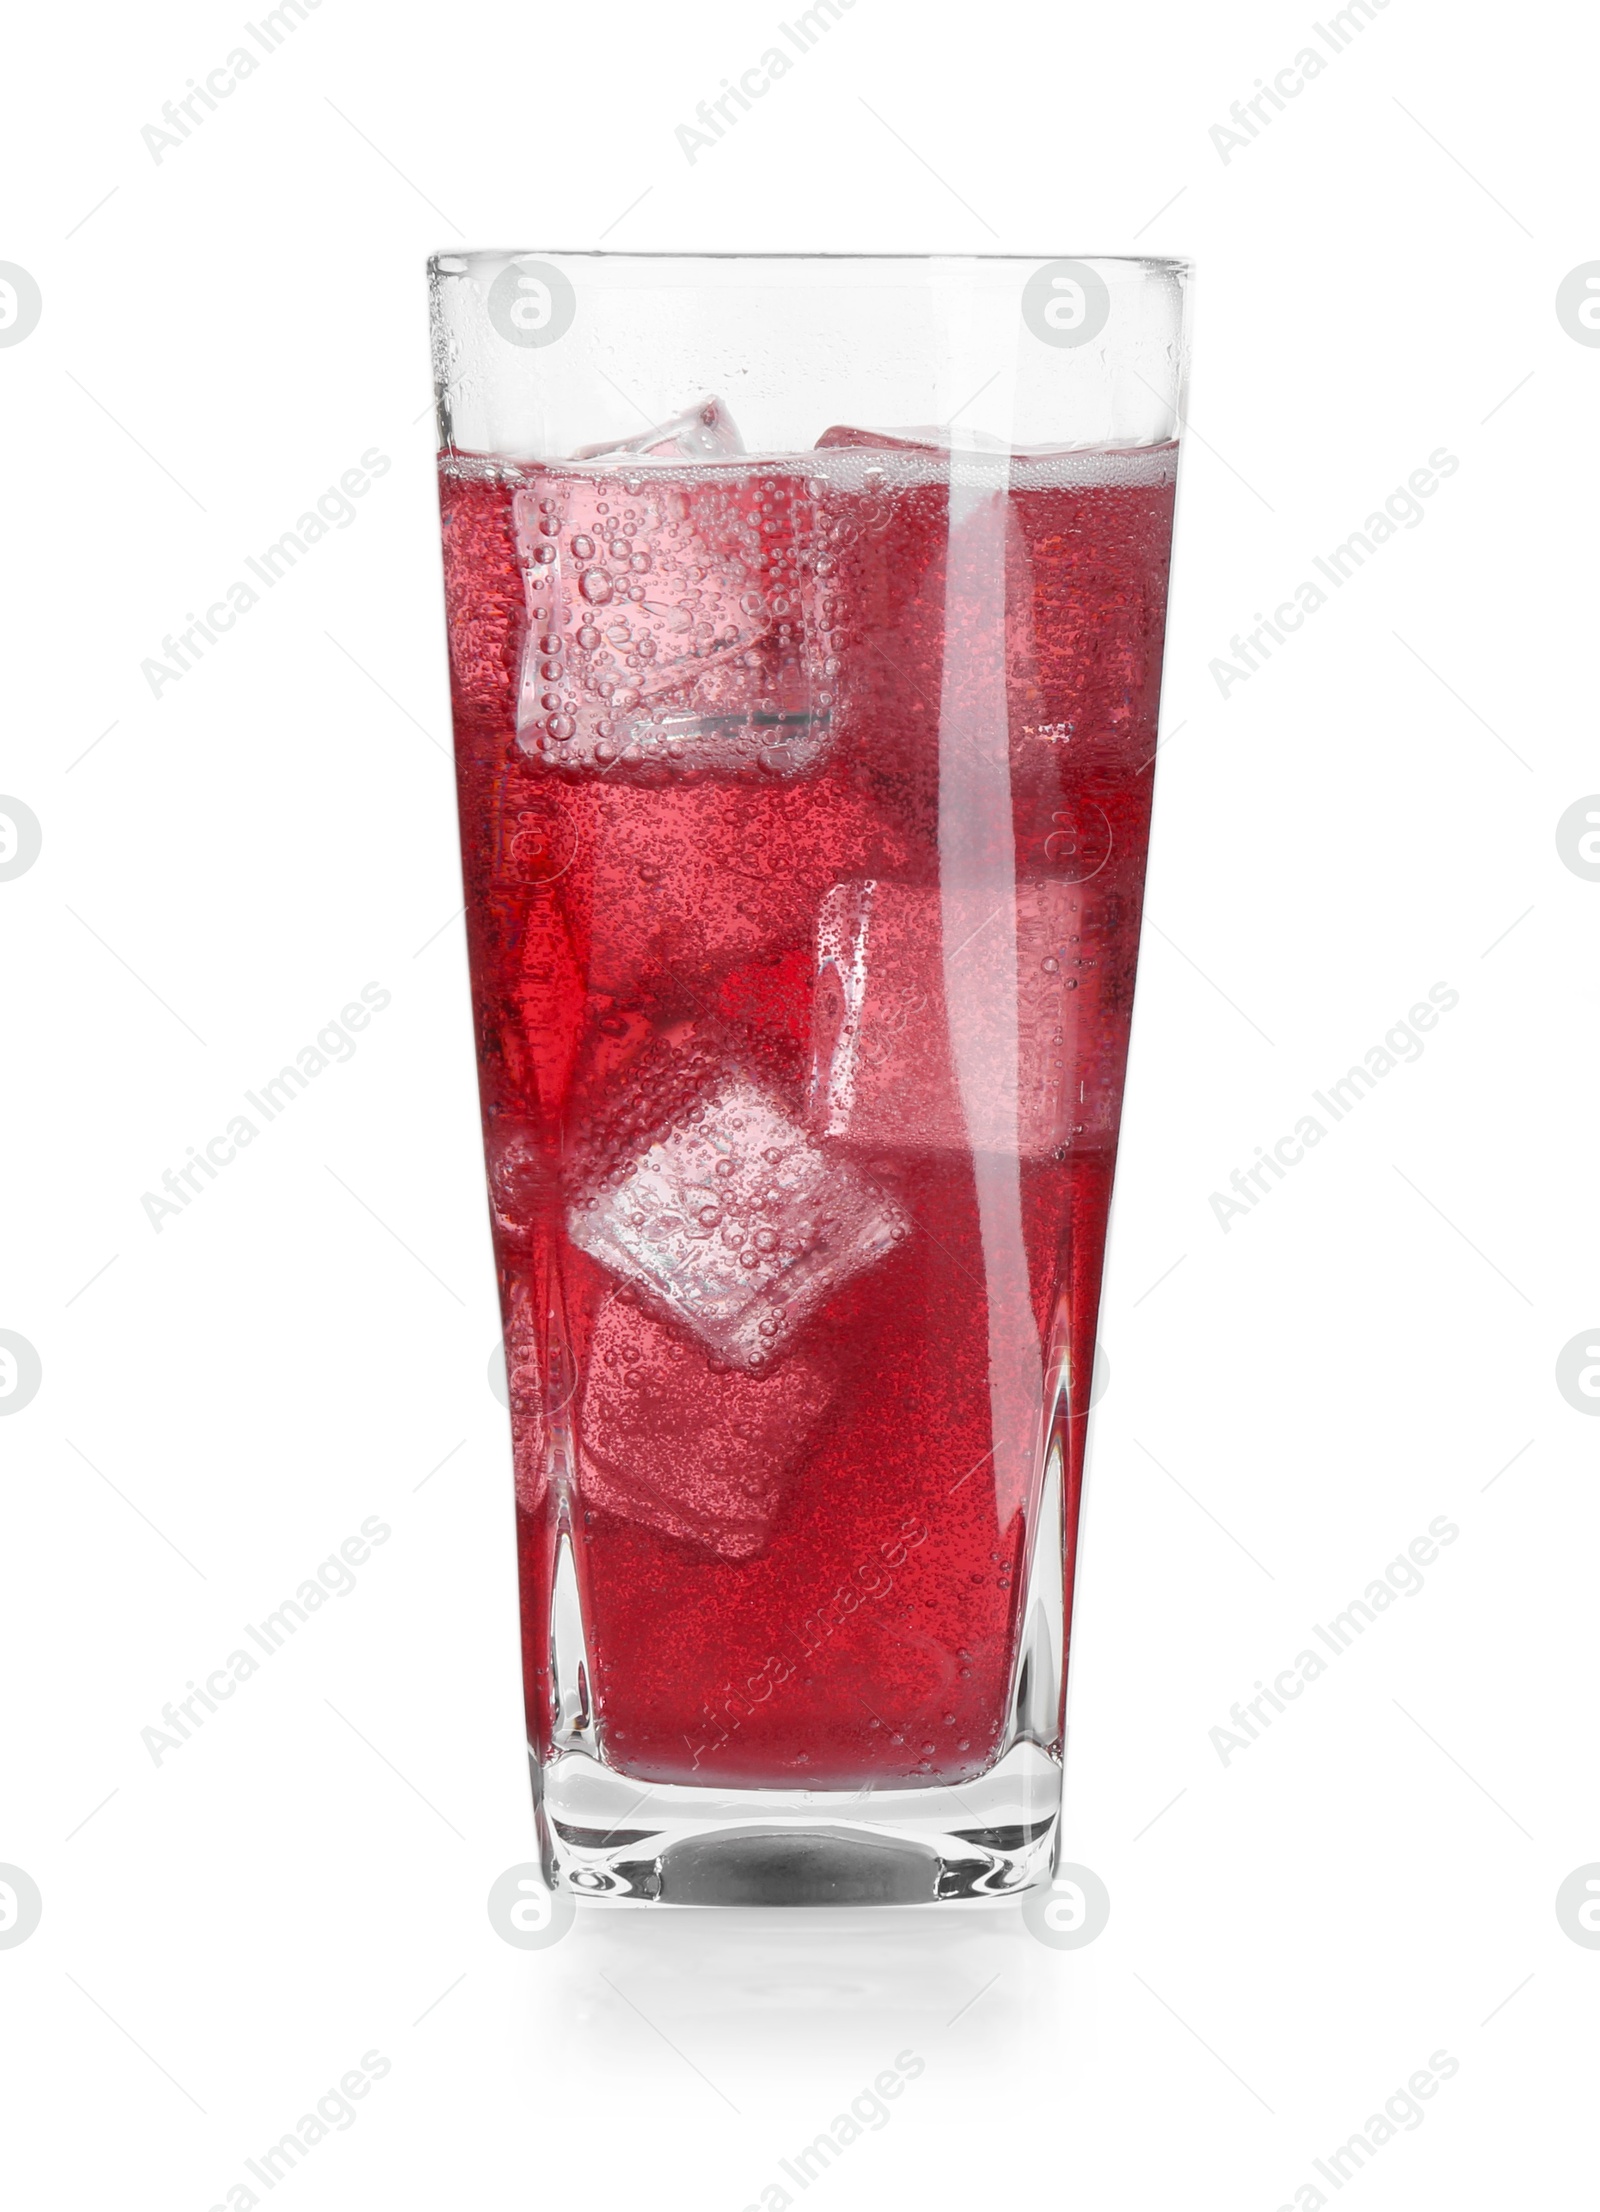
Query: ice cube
(675, 622)
(920, 438)
(699, 433)
(731, 1218)
(668, 1440)
(1030, 1007)
(961, 438)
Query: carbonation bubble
(583, 547)
(595, 584)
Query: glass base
(606, 1836)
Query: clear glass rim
(465, 254)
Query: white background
(224, 333)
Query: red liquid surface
(793, 1290)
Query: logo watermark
(1402, 510)
(1403, 1577)
(335, 1577)
(21, 304)
(1401, 1043)
(1577, 837)
(1578, 303)
(335, 510)
(526, 1913)
(1577, 1905)
(1578, 1371)
(1251, 116)
(21, 839)
(333, 1043)
(1066, 303)
(868, 2113)
(718, 115)
(21, 1372)
(1401, 2111)
(334, 2113)
(531, 303)
(180, 118)
(864, 1584)
(1071, 1912)
(21, 1907)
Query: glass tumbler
(805, 624)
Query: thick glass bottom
(606, 1836)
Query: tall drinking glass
(805, 622)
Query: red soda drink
(804, 805)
